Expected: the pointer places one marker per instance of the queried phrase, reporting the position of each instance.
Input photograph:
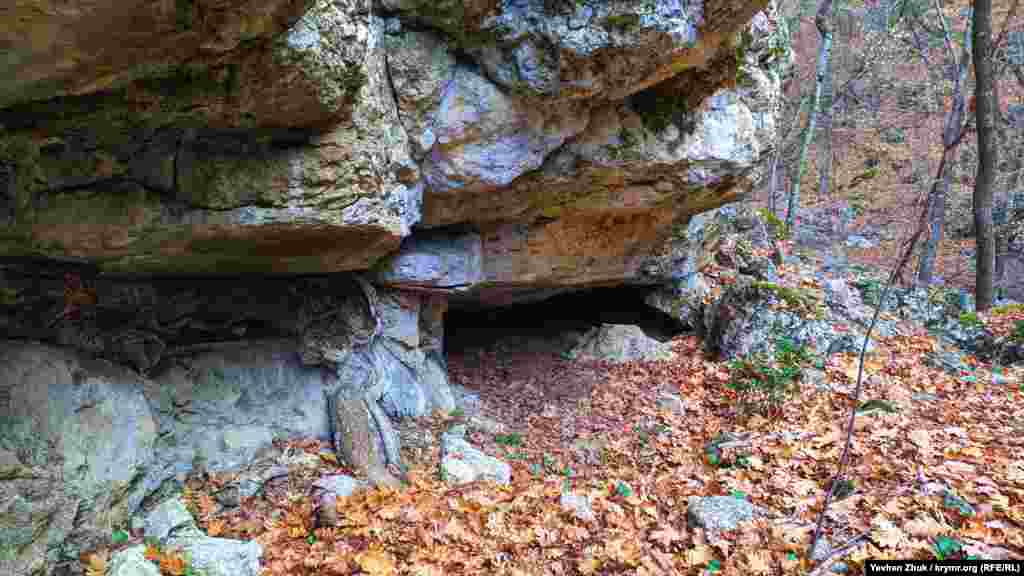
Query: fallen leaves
(96, 563)
(666, 536)
(171, 562)
(648, 463)
(376, 563)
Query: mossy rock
(796, 298)
(621, 22)
(775, 225)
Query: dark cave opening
(478, 328)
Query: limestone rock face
(283, 155)
(76, 437)
(311, 137)
(192, 377)
(224, 223)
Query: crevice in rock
(551, 319)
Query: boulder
(751, 311)
(171, 525)
(461, 462)
(577, 505)
(132, 562)
(752, 317)
(620, 343)
(718, 514)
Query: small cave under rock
(549, 324)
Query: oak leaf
(666, 536)
(376, 563)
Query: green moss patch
(796, 298)
(621, 22)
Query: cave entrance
(550, 325)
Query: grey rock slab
(440, 259)
(220, 408)
(168, 519)
(221, 556)
(822, 548)
(172, 525)
(461, 462)
(672, 403)
(578, 505)
(132, 562)
(720, 513)
(620, 343)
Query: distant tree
(823, 22)
(953, 131)
(987, 155)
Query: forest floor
(937, 471)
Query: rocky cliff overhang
(480, 148)
(227, 222)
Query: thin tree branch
(834, 555)
(845, 456)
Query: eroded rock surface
(314, 137)
(204, 376)
(167, 171)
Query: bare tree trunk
(936, 219)
(951, 134)
(987, 155)
(773, 180)
(822, 21)
(825, 132)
